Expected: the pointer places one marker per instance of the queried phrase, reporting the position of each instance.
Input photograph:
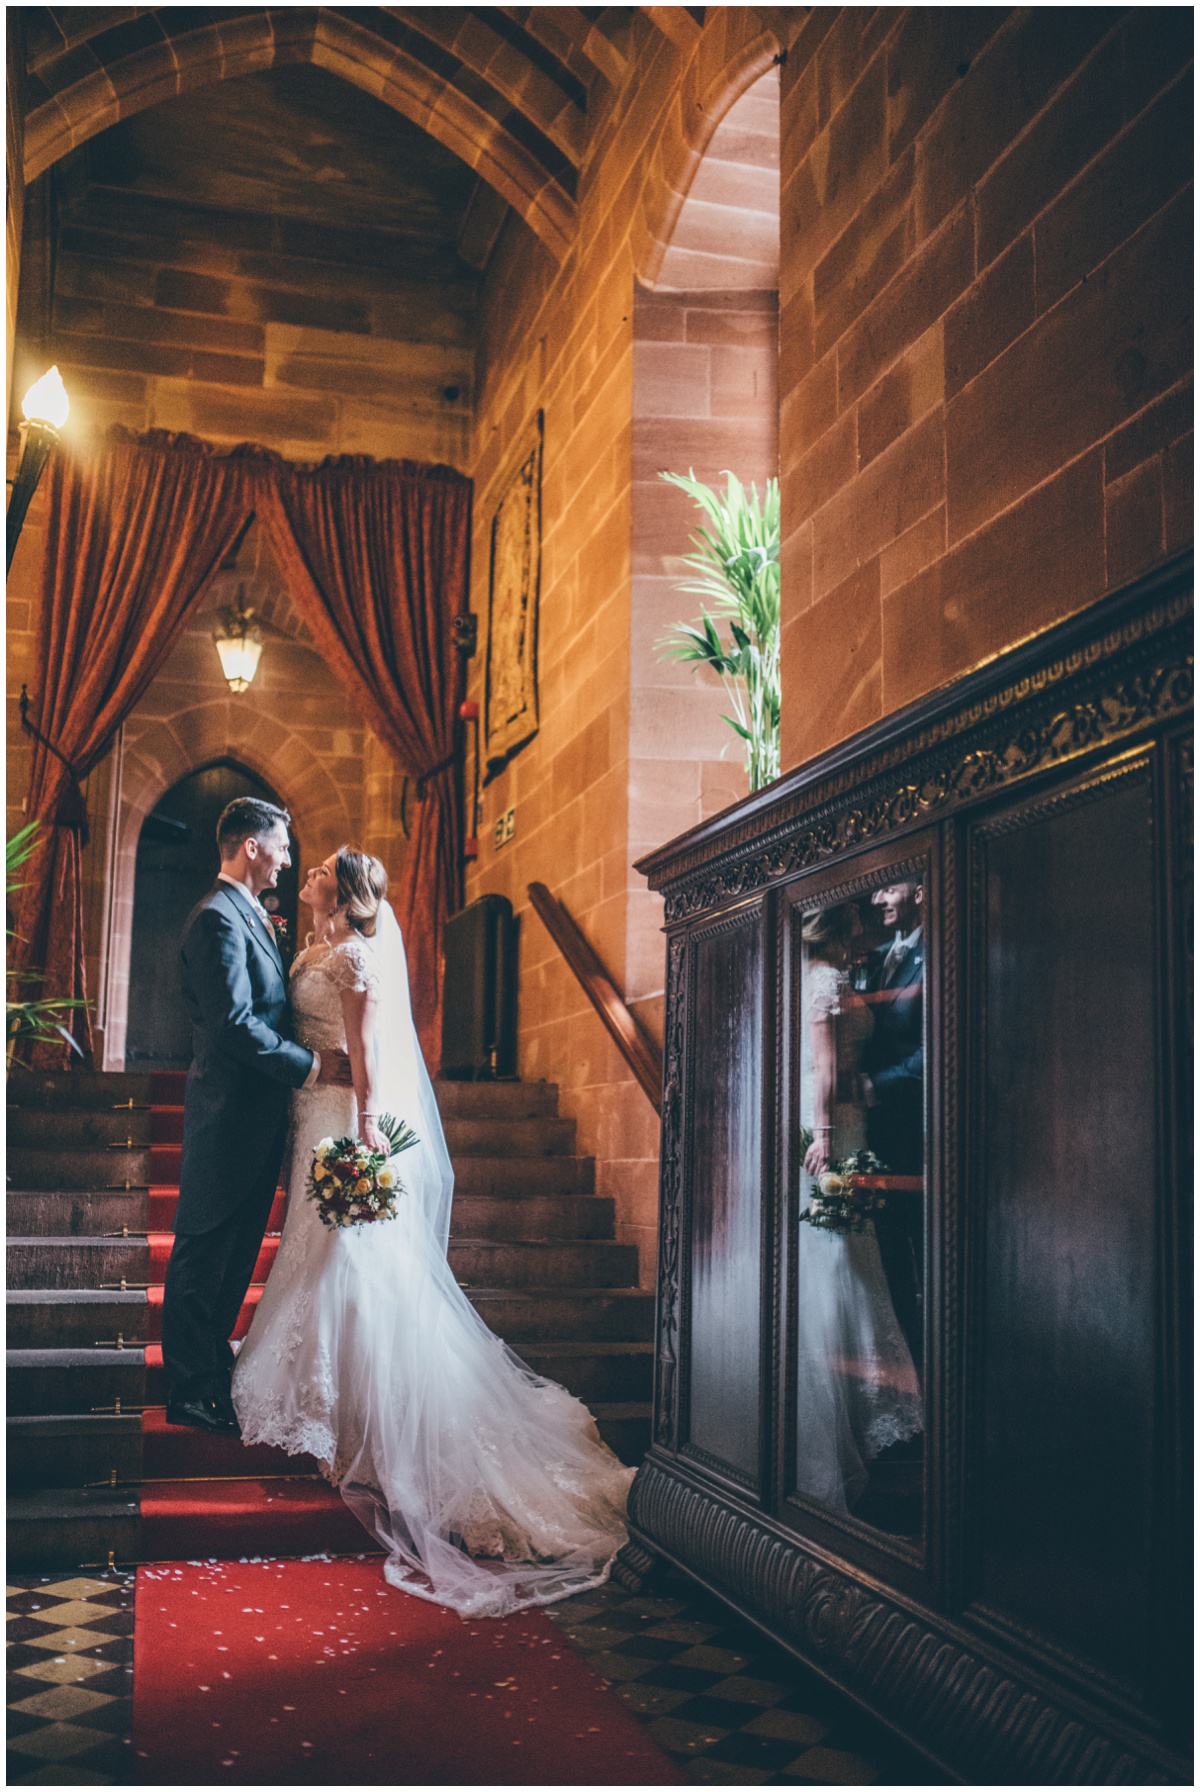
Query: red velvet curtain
(135, 530)
(376, 556)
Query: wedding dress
(488, 1486)
(857, 1388)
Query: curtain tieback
(72, 808)
(425, 778)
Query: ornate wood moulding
(1093, 680)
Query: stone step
(74, 1381)
(76, 1129)
(30, 1168)
(71, 1089)
(510, 1138)
(625, 1428)
(494, 1175)
(73, 1318)
(174, 1453)
(594, 1373)
(528, 1317)
(72, 1450)
(80, 1262)
(68, 1527)
(72, 1213)
(516, 1264)
(538, 1217)
(495, 1101)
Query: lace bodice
(319, 975)
(831, 997)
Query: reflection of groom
(894, 1090)
(235, 1110)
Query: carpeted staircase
(93, 1170)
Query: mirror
(860, 1297)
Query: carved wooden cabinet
(921, 1396)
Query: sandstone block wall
(986, 317)
(238, 329)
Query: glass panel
(726, 1222)
(861, 1251)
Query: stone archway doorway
(176, 863)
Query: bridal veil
(487, 1485)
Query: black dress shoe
(225, 1410)
(201, 1415)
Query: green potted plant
(32, 1018)
(735, 566)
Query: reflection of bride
(857, 1389)
(487, 1485)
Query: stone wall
(235, 330)
(562, 340)
(986, 322)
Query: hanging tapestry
(511, 705)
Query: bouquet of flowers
(353, 1185)
(840, 1202)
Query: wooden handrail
(638, 1051)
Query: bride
(488, 1486)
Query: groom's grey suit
(235, 1117)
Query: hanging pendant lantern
(239, 643)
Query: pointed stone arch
(728, 57)
(156, 757)
(148, 59)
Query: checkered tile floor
(70, 1680)
(726, 1704)
(730, 1707)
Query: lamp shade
(46, 401)
(239, 646)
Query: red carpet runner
(211, 1496)
(317, 1674)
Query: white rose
(386, 1177)
(830, 1183)
(323, 1148)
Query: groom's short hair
(244, 818)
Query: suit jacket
(244, 1062)
(894, 1059)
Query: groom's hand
(335, 1068)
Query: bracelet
(822, 1129)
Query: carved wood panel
(1037, 1629)
(1060, 1464)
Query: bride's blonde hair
(362, 885)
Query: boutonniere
(280, 929)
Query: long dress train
(857, 1388)
(488, 1485)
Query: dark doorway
(177, 862)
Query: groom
(893, 1086)
(235, 1110)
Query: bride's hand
(816, 1158)
(370, 1135)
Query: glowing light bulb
(46, 401)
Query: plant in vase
(735, 566)
(37, 1019)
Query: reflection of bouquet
(839, 1202)
(352, 1184)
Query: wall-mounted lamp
(239, 643)
(45, 407)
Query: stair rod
(638, 1051)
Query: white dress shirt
(223, 877)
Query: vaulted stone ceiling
(342, 176)
(513, 92)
